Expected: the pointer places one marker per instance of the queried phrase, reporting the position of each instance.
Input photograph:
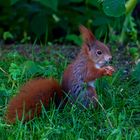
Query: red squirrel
(77, 81)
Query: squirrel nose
(108, 58)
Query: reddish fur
(30, 99)
(93, 73)
(87, 34)
(85, 68)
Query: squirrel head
(96, 51)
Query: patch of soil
(121, 59)
(38, 53)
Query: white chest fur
(97, 66)
(91, 83)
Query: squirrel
(77, 81)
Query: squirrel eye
(99, 52)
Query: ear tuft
(87, 35)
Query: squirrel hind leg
(89, 98)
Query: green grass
(116, 118)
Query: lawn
(117, 116)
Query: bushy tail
(33, 94)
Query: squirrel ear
(87, 35)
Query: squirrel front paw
(108, 70)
